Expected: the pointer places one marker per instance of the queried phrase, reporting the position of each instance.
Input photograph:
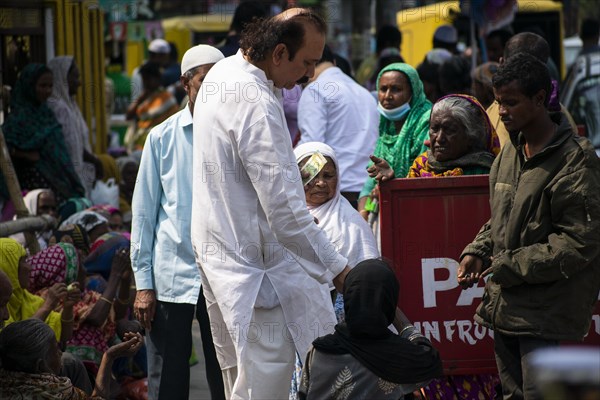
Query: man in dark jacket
(541, 246)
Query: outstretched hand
(380, 170)
(130, 345)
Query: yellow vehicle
(419, 24)
(184, 32)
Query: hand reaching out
(121, 263)
(380, 170)
(130, 345)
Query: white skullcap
(200, 55)
(160, 46)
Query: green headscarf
(30, 126)
(400, 150)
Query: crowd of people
(259, 217)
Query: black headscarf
(370, 298)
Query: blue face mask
(395, 114)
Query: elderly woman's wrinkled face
(43, 86)
(47, 204)
(449, 140)
(322, 187)
(394, 90)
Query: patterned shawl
(16, 385)
(31, 125)
(56, 264)
(22, 303)
(400, 149)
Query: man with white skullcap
(159, 51)
(166, 275)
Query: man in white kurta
(261, 254)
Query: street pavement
(198, 384)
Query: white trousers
(264, 369)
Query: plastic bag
(105, 193)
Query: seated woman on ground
(73, 234)
(39, 202)
(94, 314)
(342, 224)
(35, 140)
(23, 304)
(363, 358)
(461, 142)
(94, 224)
(30, 359)
(113, 215)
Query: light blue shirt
(161, 249)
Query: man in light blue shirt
(166, 274)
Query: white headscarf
(342, 224)
(66, 110)
(31, 200)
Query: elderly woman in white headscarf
(343, 225)
(345, 228)
(75, 130)
(39, 202)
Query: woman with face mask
(403, 126)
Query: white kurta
(253, 236)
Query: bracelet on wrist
(67, 320)
(407, 327)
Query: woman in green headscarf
(403, 126)
(35, 140)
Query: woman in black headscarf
(363, 358)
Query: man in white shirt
(337, 111)
(166, 275)
(158, 52)
(262, 256)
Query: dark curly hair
(529, 42)
(528, 71)
(261, 36)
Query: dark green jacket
(544, 236)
